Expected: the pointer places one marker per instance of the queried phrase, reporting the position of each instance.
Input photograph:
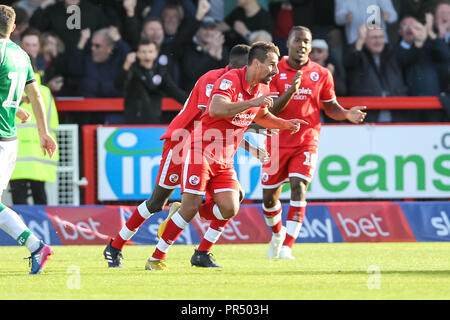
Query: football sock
(140, 214)
(294, 221)
(210, 211)
(12, 224)
(174, 228)
(213, 234)
(273, 217)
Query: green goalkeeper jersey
(15, 72)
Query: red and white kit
(209, 164)
(179, 130)
(295, 155)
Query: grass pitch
(321, 271)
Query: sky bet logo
(131, 162)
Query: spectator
(353, 13)
(53, 52)
(30, 42)
(249, 16)
(421, 74)
(152, 29)
(22, 23)
(443, 20)
(33, 170)
(145, 81)
(372, 69)
(97, 67)
(29, 5)
(205, 52)
(320, 54)
(52, 16)
(133, 15)
(260, 35)
(442, 23)
(172, 16)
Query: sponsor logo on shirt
(243, 119)
(301, 94)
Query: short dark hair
(145, 42)
(239, 56)
(30, 32)
(260, 50)
(298, 28)
(7, 20)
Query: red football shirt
(317, 86)
(197, 100)
(220, 137)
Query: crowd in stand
(144, 50)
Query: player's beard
(268, 78)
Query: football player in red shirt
(169, 173)
(304, 86)
(238, 97)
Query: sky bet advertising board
(354, 162)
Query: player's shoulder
(231, 78)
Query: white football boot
(286, 253)
(276, 243)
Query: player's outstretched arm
(335, 111)
(260, 153)
(267, 120)
(48, 144)
(221, 106)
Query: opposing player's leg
(272, 215)
(10, 221)
(113, 251)
(12, 224)
(295, 217)
(190, 204)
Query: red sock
(212, 234)
(273, 217)
(294, 221)
(133, 223)
(174, 228)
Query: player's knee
(299, 187)
(192, 206)
(228, 210)
(269, 201)
(154, 206)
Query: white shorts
(8, 156)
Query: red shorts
(289, 162)
(200, 176)
(169, 174)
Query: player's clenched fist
(355, 115)
(294, 125)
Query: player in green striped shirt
(16, 76)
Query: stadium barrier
(324, 223)
(80, 104)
